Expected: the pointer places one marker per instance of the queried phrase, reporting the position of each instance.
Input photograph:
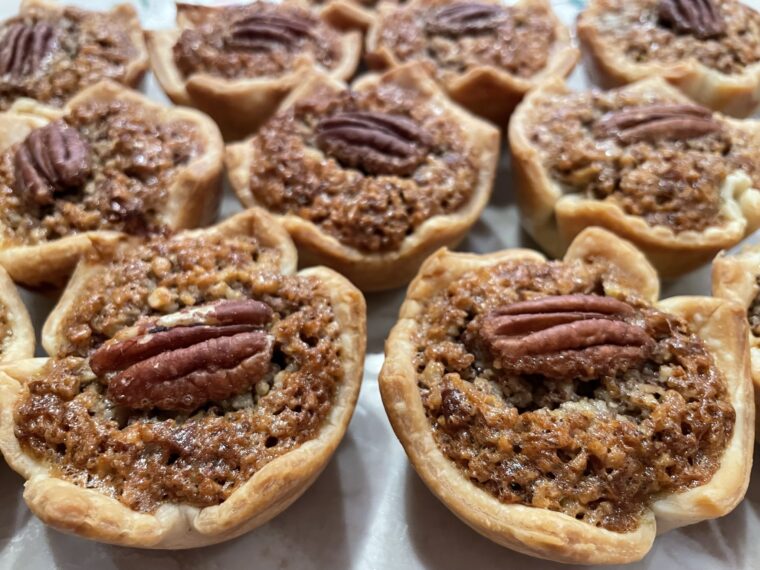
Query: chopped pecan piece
(378, 143)
(53, 158)
(650, 123)
(23, 47)
(263, 32)
(566, 337)
(182, 361)
(465, 18)
(699, 18)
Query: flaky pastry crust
(736, 95)
(192, 197)
(484, 90)
(378, 271)
(734, 277)
(90, 514)
(238, 106)
(548, 534)
(554, 218)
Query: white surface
(368, 510)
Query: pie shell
(192, 196)
(734, 278)
(554, 219)
(20, 344)
(348, 15)
(91, 514)
(736, 94)
(484, 90)
(239, 106)
(379, 271)
(136, 68)
(548, 534)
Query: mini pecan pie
(110, 160)
(642, 161)
(196, 387)
(486, 55)
(709, 49)
(369, 179)
(559, 409)
(237, 63)
(16, 332)
(50, 52)
(737, 278)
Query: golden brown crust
(734, 277)
(736, 95)
(548, 534)
(238, 106)
(136, 68)
(348, 15)
(378, 271)
(192, 197)
(554, 218)
(88, 513)
(485, 90)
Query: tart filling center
(189, 365)
(546, 392)
(663, 161)
(50, 57)
(367, 166)
(256, 40)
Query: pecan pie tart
(642, 161)
(50, 52)
(486, 54)
(197, 386)
(16, 332)
(709, 49)
(369, 179)
(109, 161)
(559, 409)
(237, 63)
(737, 278)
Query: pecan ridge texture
(700, 18)
(262, 32)
(464, 18)
(375, 142)
(566, 337)
(650, 123)
(53, 158)
(207, 353)
(23, 47)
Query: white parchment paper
(368, 510)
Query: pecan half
(51, 159)
(650, 123)
(465, 18)
(24, 46)
(566, 337)
(699, 18)
(375, 142)
(263, 32)
(182, 361)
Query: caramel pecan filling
(548, 392)
(255, 40)
(723, 35)
(189, 365)
(459, 36)
(663, 161)
(367, 167)
(753, 313)
(50, 57)
(106, 165)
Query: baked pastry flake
(109, 161)
(485, 54)
(196, 387)
(369, 179)
(238, 62)
(642, 161)
(49, 52)
(559, 409)
(709, 49)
